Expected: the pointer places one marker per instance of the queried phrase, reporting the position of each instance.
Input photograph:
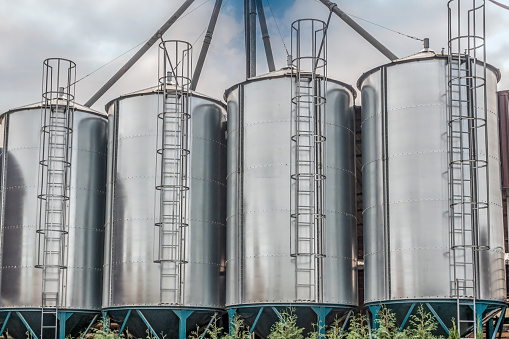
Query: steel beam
(206, 44)
(265, 36)
(252, 38)
(361, 31)
(139, 54)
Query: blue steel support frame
(499, 322)
(344, 324)
(62, 319)
(438, 318)
(183, 315)
(89, 326)
(479, 310)
(490, 328)
(124, 323)
(231, 314)
(251, 330)
(5, 322)
(374, 313)
(148, 324)
(406, 317)
(106, 321)
(321, 313)
(26, 325)
(208, 326)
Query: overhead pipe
(139, 54)
(206, 44)
(361, 31)
(252, 38)
(247, 40)
(265, 35)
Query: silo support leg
(374, 313)
(62, 319)
(499, 323)
(124, 323)
(26, 325)
(490, 328)
(5, 322)
(344, 324)
(89, 326)
(321, 313)
(208, 326)
(438, 318)
(479, 311)
(231, 314)
(106, 322)
(256, 320)
(147, 324)
(406, 318)
(183, 315)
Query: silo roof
(283, 72)
(157, 89)
(420, 56)
(38, 105)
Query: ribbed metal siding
(406, 202)
(259, 267)
(21, 281)
(131, 276)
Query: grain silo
(431, 184)
(52, 211)
(165, 230)
(291, 191)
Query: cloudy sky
(94, 32)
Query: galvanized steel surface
(21, 282)
(131, 277)
(260, 268)
(406, 217)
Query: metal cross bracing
(173, 157)
(54, 184)
(468, 154)
(308, 157)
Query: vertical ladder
(173, 157)
(173, 189)
(308, 170)
(468, 155)
(54, 182)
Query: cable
(281, 35)
(109, 62)
(499, 4)
(141, 43)
(194, 9)
(389, 29)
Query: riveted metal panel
(21, 281)
(414, 262)
(133, 276)
(260, 268)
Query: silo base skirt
(443, 310)
(20, 321)
(261, 317)
(159, 321)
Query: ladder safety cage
(172, 169)
(468, 154)
(309, 87)
(55, 158)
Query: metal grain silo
(433, 221)
(165, 230)
(30, 284)
(274, 262)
